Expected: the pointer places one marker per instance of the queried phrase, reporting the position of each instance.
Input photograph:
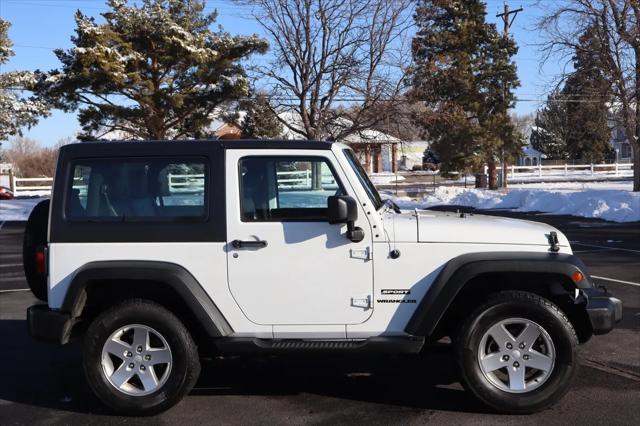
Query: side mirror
(344, 209)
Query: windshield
(372, 192)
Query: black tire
(185, 367)
(529, 306)
(35, 238)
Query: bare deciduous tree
(333, 61)
(617, 24)
(30, 159)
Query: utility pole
(508, 21)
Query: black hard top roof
(226, 144)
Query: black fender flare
(166, 273)
(460, 270)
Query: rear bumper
(604, 310)
(49, 326)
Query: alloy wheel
(516, 355)
(136, 360)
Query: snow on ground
(626, 185)
(573, 175)
(559, 176)
(17, 209)
(45, 193)
(611, 201)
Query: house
(5, 168)
(530, 156)
(377, 151)
(412, 154)
(622, 147)
(227, 131)
(619, 142)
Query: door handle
(238, 244)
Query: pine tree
(464, 73)
(588, 94)
(153, 70)
(260, 121)
(551, 130)
(16, 111)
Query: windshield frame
(363, 178)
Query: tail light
(41, 260)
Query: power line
(355, 99)
(28, 46)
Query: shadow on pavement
(40, 374)
(427, 381)
(50, 376)
(630, 319)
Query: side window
(79, 187)
(286, 188)
(137, 189)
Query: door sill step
(245, 345)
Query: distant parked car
(430, 160)
(5, 193)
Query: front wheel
(517, 352)
(139, 359)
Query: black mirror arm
(354, 233)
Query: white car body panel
(415, 270)
(420, 263)
(434, 226)
(307, 274)
(207, 262)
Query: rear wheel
(139, 359)
(517, 352)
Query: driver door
(287, 265)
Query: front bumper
(49, 326)
(604, 310)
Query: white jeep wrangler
(157, 252)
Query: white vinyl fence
(303, 178)
(614, 169)
(177, 183)
(185, 183)
(298, 179)
(30, 186)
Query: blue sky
(40, 25)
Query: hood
(448, 227)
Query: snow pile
(623, 185)
(42, 193)
(612, 205)
(17, 209)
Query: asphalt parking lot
(44, 384)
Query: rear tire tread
(186, 362)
